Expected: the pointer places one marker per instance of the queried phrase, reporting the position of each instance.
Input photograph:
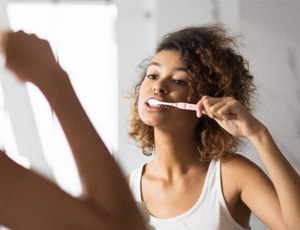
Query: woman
(196, 180)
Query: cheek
(146, 117)
(141, 100)
(143, 116)
(143, 88)
(140, 107)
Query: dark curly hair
(217, 70)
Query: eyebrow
(180, 68)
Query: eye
(179, 82)
(151, 76)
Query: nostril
(159, 88)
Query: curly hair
(216, 69)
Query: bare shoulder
(243, 172)
(236, 160)
(242, 177)
(236, 173)
(240, 165)
(246, 177)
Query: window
(82, 37)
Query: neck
(176, 151)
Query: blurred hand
(28, 57)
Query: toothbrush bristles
(180, 105)
(153, 102)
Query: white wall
(17, 119)
(271, 35)
(136, 35)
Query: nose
(160, 87)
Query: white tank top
(210, 212)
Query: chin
(153, 119)
(150, 121)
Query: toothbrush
(179, 105)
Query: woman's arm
(29, 201)
(285, 179)
(275, 201)
(105, 189)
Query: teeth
(159, 106)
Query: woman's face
(166, 80)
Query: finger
(200, 107)
(3, 43)
(2, 151)
(204, 105)
(3, 40)
(231, 110)
(198, 110)
(223, 108)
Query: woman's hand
(28, 57)
(230, 114)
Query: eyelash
(176, 81)
(179, 82)
(152, 76)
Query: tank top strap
(212, 176)
(135, 183)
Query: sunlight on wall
(82, 37)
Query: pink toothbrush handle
(186, 106)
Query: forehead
(168, 58)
